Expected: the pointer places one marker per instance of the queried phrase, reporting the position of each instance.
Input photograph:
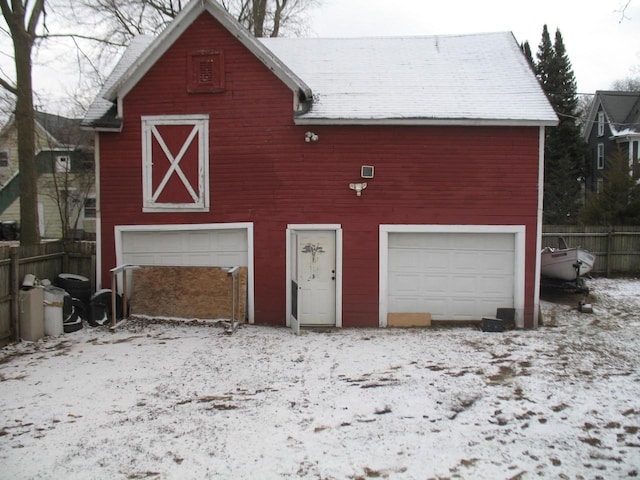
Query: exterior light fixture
(358, 187)
(311, 137)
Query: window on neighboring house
(4, 159)
(600, 156)
(90, 208)
(600, 124)
(175, 163)
(599, 185)
(63, 164)
(205, 72)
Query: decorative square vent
(205, 71)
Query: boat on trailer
(564, 263)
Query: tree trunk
(23, 34)
(259, 13)
(277, 17)
(25, 124)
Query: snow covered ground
(190, 402)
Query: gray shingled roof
(622, 110)
(65, 132)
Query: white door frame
(337, 228)
(519, 232)
(248, 226)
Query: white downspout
(536, 289)
(96, 160)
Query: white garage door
(452, 276)
(216, 248)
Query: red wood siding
(262, 171)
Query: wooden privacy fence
(617, 249)
(45, 261)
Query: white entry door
(316, 277)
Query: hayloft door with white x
(175, 161)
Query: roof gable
(146, 51)
(621, 109)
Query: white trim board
(519, 268)
(120, 229)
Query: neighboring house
(354, 178)
(613, 125)
(61, 147)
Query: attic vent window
(205, 72)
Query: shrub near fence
(617, 249)
(45, 261)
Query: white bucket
(53, 300)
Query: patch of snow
(174, 401)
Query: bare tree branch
(623, 11)
(75, 36)
(8, 87)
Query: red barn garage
(353, 178)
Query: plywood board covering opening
(187, 292)
(409, 320)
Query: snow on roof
(460, 79)
(98, 112)
(464, 78)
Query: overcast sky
(601, 45)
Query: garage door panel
(436, 306)
(139, 259)
(463, 285)
(199, 241)
(434, 284)
(504, 242)
(405, 260)
(406, 304)
(195, 259)
(452, 276)
(436, 261)
(464, 261)
(404, 284)
(168, 259)
(216, 248)
(464, 309)
(229, 240)
(501, 263)
(496, 286)
(228, 259)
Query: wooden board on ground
(187, 292)
(409, 320)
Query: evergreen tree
(565, 149)
(619, 201)
(544, 59)
(526, 49)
